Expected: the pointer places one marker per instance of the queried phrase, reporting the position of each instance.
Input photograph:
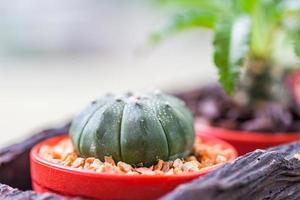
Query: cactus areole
(136, 129)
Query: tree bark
(9, 193)
(14, 159)
(262, 174)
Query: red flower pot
(245, 141)
(50, 177)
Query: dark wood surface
(261, 175)
(9, 193)
(14, 159)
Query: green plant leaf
(190, 19)
(297, 44)
(247, 5)
(291, 22)
(231, 43)
(218, 7)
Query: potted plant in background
(127, 147)
(256, 42)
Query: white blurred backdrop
(58, 55)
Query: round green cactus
(136, 129)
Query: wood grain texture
(9, 193)
(262, 174)
(14, 159)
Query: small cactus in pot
(138, 129)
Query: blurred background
(58, 55)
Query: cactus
(258, 38)
(136, 129)
(262, 82)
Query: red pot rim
(41, 161)
(237, 135)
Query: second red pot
(245, 141)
